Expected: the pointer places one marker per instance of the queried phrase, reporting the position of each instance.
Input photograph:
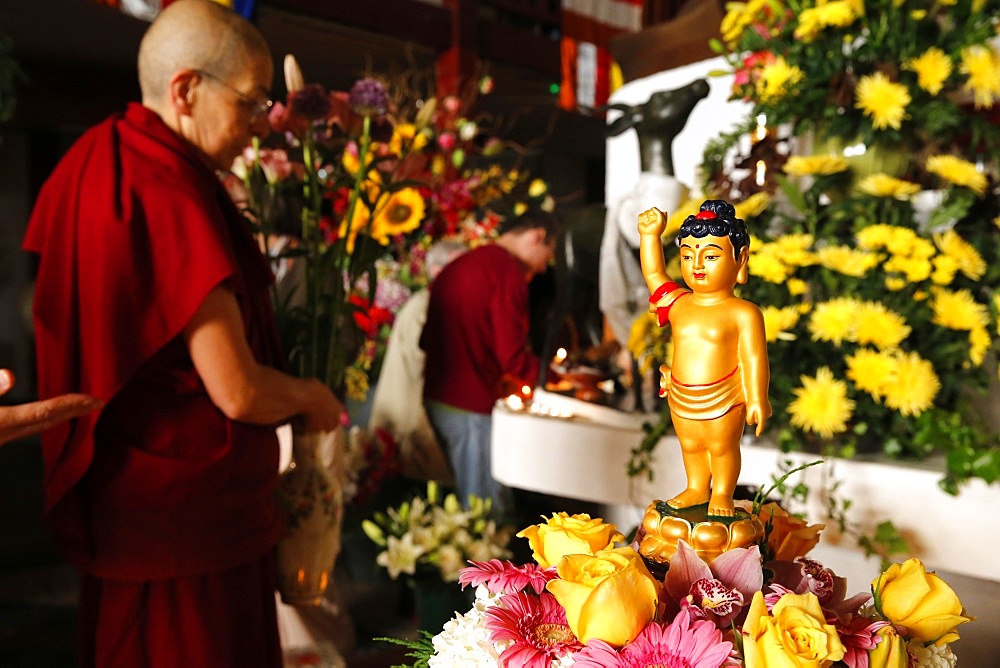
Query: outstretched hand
(27, 419)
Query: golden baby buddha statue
(718, 380)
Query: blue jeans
(466, 439)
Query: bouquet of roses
(590, 601)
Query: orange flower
(790, 536)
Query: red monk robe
(161, 501)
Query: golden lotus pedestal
(709, 536)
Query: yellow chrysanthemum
(753, 205)
(871, 371)
(914, 269)
(970, 262)
(846, 260)
(796, 286)
(777, 322)
(932, 68)
(821, 405)
(875, 237)
(776, 79)
(834, 320)
(397, 213)
(878, 326)
(835, 13)
(768, 267)
(883, 185)
(677, 217)
(945, 268)
(913, 387)
(958, 309)
(641, 338)
(979, 343)
(819, 165)
(740, 16)
(882, 100)
(982, 66)
(958, 171)
(894, 283)
(795, 249)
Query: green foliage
(421, 649)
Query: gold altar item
(718, 380)
(709, 537)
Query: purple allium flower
(368, 97)
(310, 102)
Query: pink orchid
(807, 575)
(722, 590)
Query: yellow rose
(609, 595)
(907, 595)
(566, 534)
(794, 635)
(790, 536)
(890, 651)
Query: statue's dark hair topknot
(718, 219)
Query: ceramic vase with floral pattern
(310, 494)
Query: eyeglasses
(257, 108)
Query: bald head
(195, 34)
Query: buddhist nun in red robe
(152, 296)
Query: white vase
(310, 494)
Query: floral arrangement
(902, 73)
(371, 459)
(590, 601)
(871, 197)
(348, 191)
(432, 537)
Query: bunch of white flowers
(436, 535)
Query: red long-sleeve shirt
(477, 330)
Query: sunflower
(883, 100)
(821, 405)
(398, 212)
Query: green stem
(334, 370)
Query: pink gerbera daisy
(505, 577)
(684, 643)
(536, 625)
(858, 634)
